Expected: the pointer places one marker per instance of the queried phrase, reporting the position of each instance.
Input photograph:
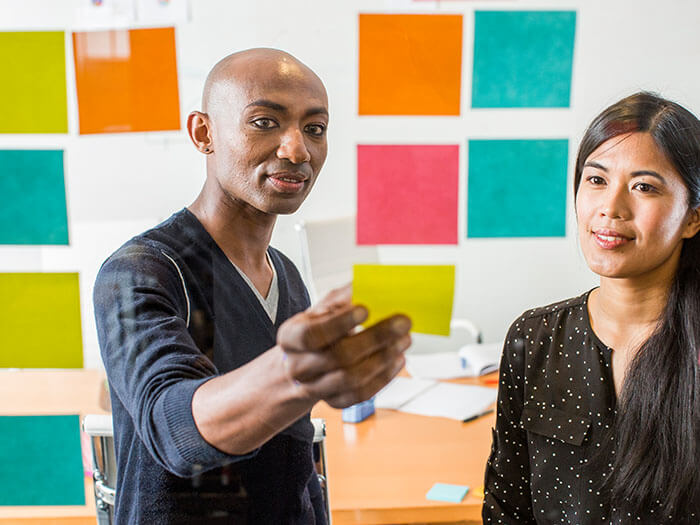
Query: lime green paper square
(424, 293)
(40, 321)
(41, 461)
(34, 197)
(33, 87)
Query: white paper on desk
(451, 400)
(480, 359)
(439, 365)
(400, 391)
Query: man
(213, 355)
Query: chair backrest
(104, 477)
(328, 251)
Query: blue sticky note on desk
(447, 492)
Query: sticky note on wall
(424, 293)
(32, 187)
(410, 64)
(517, 188)
(407, 194)
(126, 80)
(33, 87)
(41, 461)
(523, 58)
(40, 321)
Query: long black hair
(656, 465)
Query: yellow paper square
(33, 88)
(40, 321)
(424, 293)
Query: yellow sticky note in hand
(423, 292)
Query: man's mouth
(288, 182)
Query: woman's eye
(264, 123)
(645, 187)
(316, 129)
(596, 180)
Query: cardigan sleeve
(152, 362)
(507, 497)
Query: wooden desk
(380, 470)
(51, 392)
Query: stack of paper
(471, 361)
(433, 398)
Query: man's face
(268, 129)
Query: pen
(477, 416)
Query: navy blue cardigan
(172, 313)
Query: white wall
(117, 185)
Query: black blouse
(556, 404)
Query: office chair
(328, 251)
(104, 477)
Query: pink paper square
(407, 194)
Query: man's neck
(242, 232)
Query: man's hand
(331, 360)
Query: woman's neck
(625, 312)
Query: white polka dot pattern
(556, 406)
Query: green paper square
(34, 197)
(33, 87)
(40, 321)
(523, 59)
(517, 188)
(41, 461)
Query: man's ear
(198, 127)
(692, 227)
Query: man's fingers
(309, 332)
(334, 299)
(357, 347)
(308, 366)
(343, 388)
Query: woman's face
(632, 210)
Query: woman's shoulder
(544, 314)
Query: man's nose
(615, 203)
(292, 146)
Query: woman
(599, 398)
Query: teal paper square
(41, 461)
(33, 210)
(447, 492)
(523, 59)
(517, 188)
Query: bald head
(263, 129)
(264, 68)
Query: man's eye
(264, 123)
(316, 129)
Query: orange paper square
(126, 80)
(410, 64)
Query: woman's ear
(199, 130)
(693, 225)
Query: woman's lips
(610, 239)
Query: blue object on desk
(447, 492)
(358, 412)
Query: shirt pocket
(556, 424)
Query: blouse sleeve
(507, 496)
